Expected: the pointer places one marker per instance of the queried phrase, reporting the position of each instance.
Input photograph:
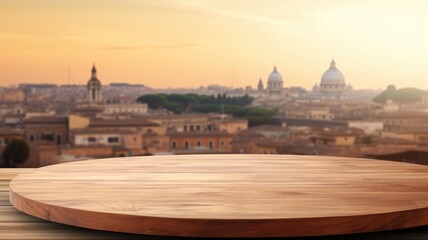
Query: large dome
(275, 77)
(332, 75)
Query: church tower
(94, 88)
(260, 86)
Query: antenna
(69, 75)
(233, 76)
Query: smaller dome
(332, 75)
(315, 87)
(275, 76)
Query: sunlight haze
(184, 43)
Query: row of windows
(109, 139)
(49, 137)
(197, 128)
(274, 85)
(199, 143)
(332, 87)
(118, 110)
(414, 121)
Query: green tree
(258, 116)
(207, 108)
(154, 101)
(174, 107)
(17, 151)
(403, 95)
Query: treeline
(403, 95)
(192, 103)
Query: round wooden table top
(228, 195)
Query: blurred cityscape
(63, 123)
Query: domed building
(94, 87)
(315, 88)
(275, 82)
(332, 81)
(349, 87)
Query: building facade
(94, 87)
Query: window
(186, 144)
(198, 128)
(58, 139)
(185, 128)
(174, 144)
(210, 144)
(198, 143)
(113, 140)
(31, 138)
(191, 128)
(47, 137)
(92, 139)
(221, 143)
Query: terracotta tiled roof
(47, 120)
(122, 123)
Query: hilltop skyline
(180, 43)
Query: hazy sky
(189, 43)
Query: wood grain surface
(228, 195)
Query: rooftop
(135, 122)
(403, 114)
(43, 120)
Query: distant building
(315, 88)
(274, 94)
(400, 119)
(231, 126)
(275, 84)
(334, 138)
(128, 140)
(309, 113)
(265, 139)
(94, 88)
(260, 86)
(184, 141)
(126, 108)
(332, 81)
(12, 95)
(46, 130)
(369, 127)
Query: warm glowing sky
(188, 43)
